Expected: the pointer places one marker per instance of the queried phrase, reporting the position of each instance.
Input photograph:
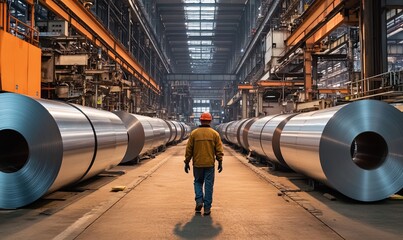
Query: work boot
(206, 212)
(199, 206)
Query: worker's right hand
(187, 167)
(219, 166)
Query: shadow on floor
(199, 227)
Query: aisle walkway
(157, 203)
(244, 207)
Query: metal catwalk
(250, 202)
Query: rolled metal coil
(161, 132)
(270, 138)
(255, 134)
(355, 148)
(146, 134)
(172, 129)
(221, 130)
(44, 145)
(187, 130)
(179, 131)
(243, 132)
(233, 131)
(111, 139)
(226, 131)
(136, 133)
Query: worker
(204, 146)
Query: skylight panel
(192, 8)
(193, 17)
(208, 33)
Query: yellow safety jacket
(204, 146)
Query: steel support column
(373, 39)
(259, 103)
(308, 73)
(315, 72)
(350, 55)
(245, 103)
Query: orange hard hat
(205, 116)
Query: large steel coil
(220, 129)
(146, 134)
(187, 130)
(226, 128)
(110, 136)
(355, 148)
(161, 132)
(44, 145)
(270, 138)
(172, 129)
(233, 131)
(136, 133)
(243, 132)
(255, 133)
(179, 131)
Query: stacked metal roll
(255, 133)
(172, 129)
(223, 130)
(111, 139)
(179, 131)
(355, 148)
(146, 134)
(46, 145)
(136, 133)
(233, 131)
(187, 130)
(270, 138)
(243, 132)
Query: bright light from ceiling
(200, 22)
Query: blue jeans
(204, 176)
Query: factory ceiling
(200, 33)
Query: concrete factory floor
(157, 203)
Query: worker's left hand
(187, 167)
(219, 166)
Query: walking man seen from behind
(203, 148)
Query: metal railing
(390, 83)
(23, 31)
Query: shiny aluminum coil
(187, 130)
(179, 131)
(161, 132)
(148, 144)
(172, 129)
(221, 130)
(157, 133)
(233, 131)
(226, 130)
(243, 133)
(136, 135)
(44, 145)
(145, 134)
(270, 138)
(355, 148)
(255, 133)
(111, 139)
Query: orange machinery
(20, 56)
